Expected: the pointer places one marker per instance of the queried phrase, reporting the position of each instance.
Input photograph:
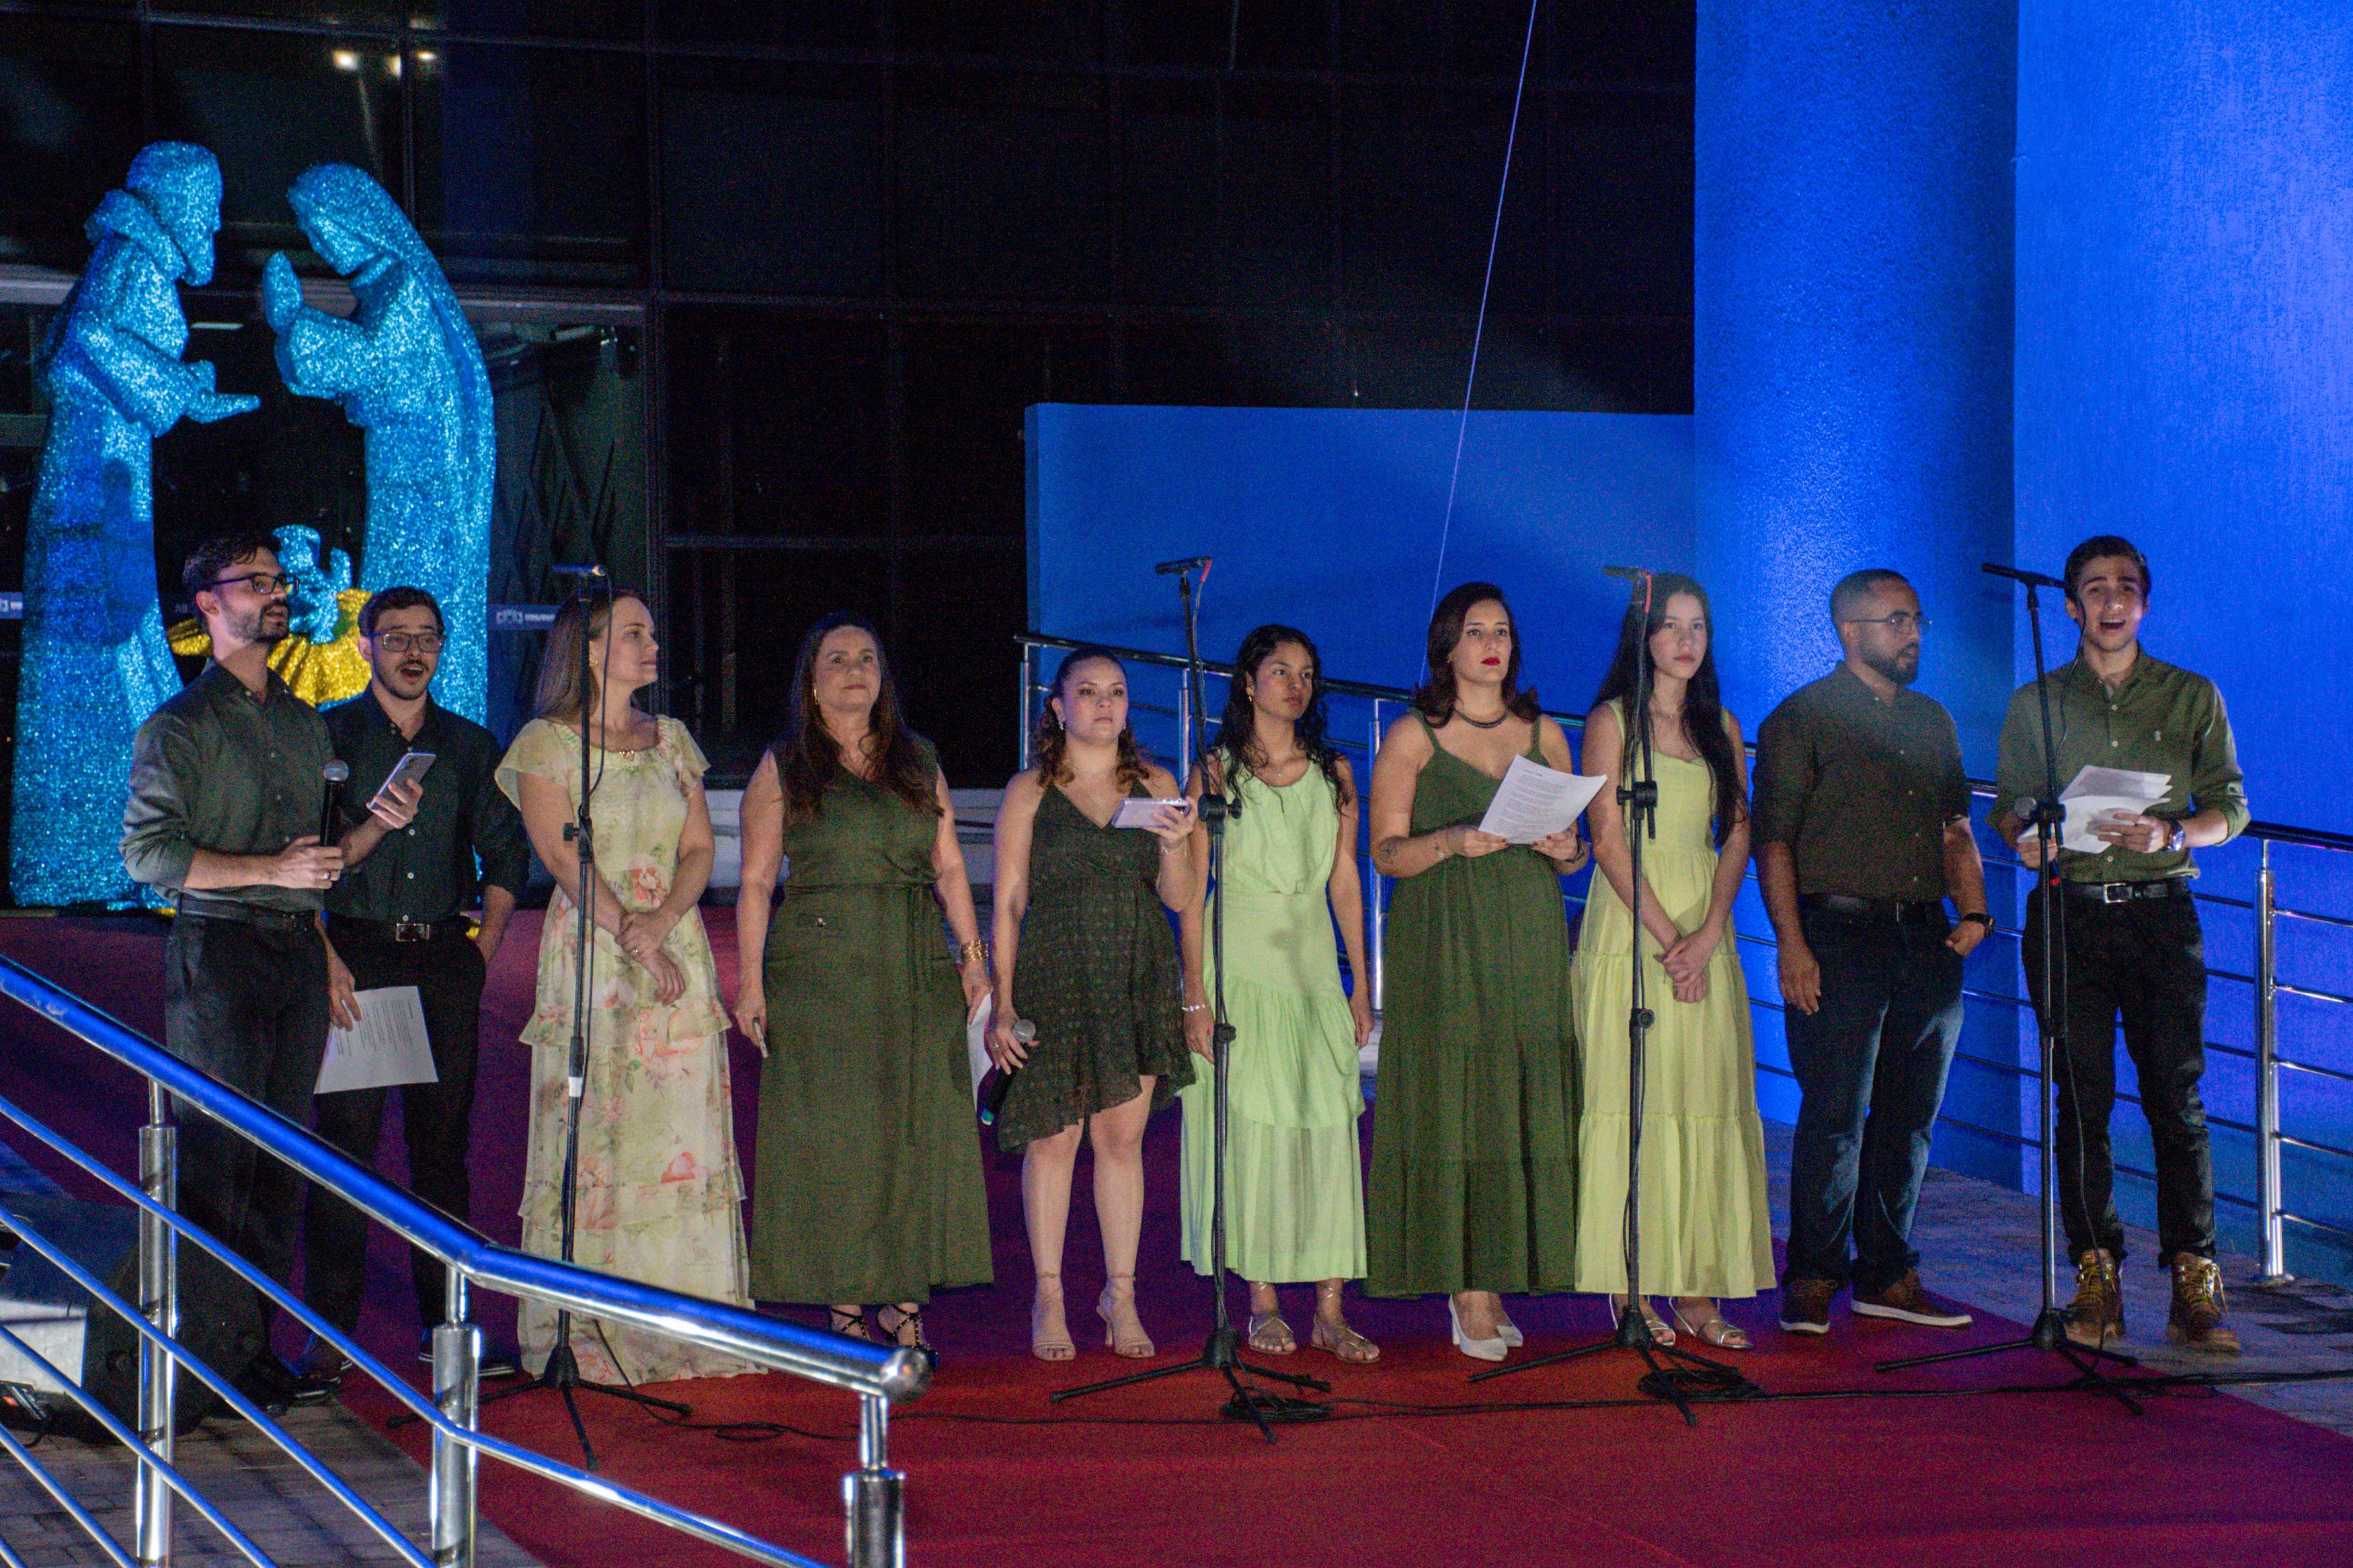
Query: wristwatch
(1980, 917)
(2179, 839)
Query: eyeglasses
(1899, 623)
(402, 642)
(259, 581)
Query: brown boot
(2195, 1321)
(2097, 1315)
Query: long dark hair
(1238, 730)
(808, 756)
(1435, 697)
(1702, 717)
(567, 692)
(1050, 743)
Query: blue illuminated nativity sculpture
(406, 370)
(95, 664)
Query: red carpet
(1150, 1476)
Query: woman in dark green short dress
(1474, 1188)
(867, 1188)
(1085, 952)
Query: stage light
(392, 64)
(425, 57)
(345, 59)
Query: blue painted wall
(2185, 378)
(1851, 390)
(1330, 519)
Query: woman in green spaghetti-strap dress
(1474, 1188)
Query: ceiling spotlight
(345, 59)
(425, 57)
(392, 64)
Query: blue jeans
(1870, 1064)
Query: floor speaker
(220, 1318)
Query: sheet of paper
(1133, 813)
(2097, 794)
(1535, 802)
(388, 1047)
(975, 1044)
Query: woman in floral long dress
(659, 1197)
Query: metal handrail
(2270, 1201)
(878, 1376)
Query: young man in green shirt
(2130, 935)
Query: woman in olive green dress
(1473, 1188)
(1084, 952)
(867, 1185)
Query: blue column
(1853, 370)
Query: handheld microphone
(1176, 568)
(334, 773)
(1630, 573)
(589, 572)
(2032, 579)
(1027, 1033)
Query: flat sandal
(1718, 1331)
(1277, 1340)
(1341, 1341)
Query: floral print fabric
(661, 1195)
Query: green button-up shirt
(2161, 719)
(219, 768)
(428, 870)
(1860, 788)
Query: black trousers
(2143, 963)
(247, 1005)
(435, 1118)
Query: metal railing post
(2269, 1198)
(1376, 916)
(159, 1301)
(872, 1495)
(1028, 697)
(456, 1390)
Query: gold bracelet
(973, 950)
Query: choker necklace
(1482, 723)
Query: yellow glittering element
(319, 672)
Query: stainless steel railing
(876, 1374)
(2269, 1200)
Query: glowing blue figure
(406, 370)
(314, 582)
(95, 663)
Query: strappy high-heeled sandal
(1716, 1331)
(1332, 1335)
(851, 1325)
(907, 1332)
(1658, 1325)
(1049, 1341)
(1135, 1342)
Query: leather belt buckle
(412, 931)
(2115, 892)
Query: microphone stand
(561, 1371)
(1222, 1353)
(1637, 796)
(2050, 1330)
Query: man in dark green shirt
(396, 918)
(227, 790)
(2128, 930)
(1862, 828)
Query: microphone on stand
(1174, 568)
(2032, 579)
(334, 773)
(1027, 1033)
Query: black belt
(1878, 908)
(396, 931)
(2128, 893)
(204, 907)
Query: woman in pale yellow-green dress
(1706, 1231)
(1295, 1188)
(660, 1195)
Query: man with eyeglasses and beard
(1861, 826)
(415, 854)
(227, 790)
(2129, 934)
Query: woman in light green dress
(1704, 1228)
(1295, 1199)
(660, 1195)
